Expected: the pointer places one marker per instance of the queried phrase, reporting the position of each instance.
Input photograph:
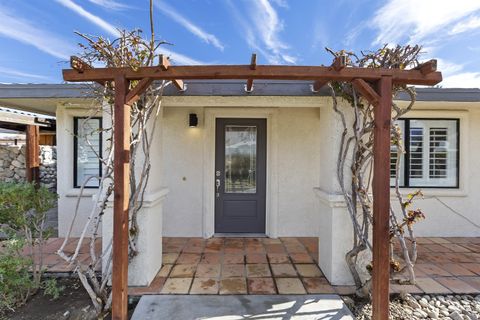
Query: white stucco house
(263, 163)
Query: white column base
(143, 268)
(335, 238)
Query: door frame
(271, 201)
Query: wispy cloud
(413, 21)
(261, 27)
(90, 16)
(462, 80)
(281, 3)
(22, 30)
(110, 4)
(17, 74)
(178, 57)
(112, 30)
(469, 24)
(189, 25)
(455, 76)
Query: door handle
(217, 186)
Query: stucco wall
(297, 168)
(453, 212)
(182, 173)
(298, 171)
(67, 194)
(305, 141)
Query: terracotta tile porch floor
(285, 266)
(289, 266)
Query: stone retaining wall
(12, 165)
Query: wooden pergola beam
(164, 62)
(339, 63)
(80, 66)
(253, 66)
(135, 93)
(164, 65)
(366, 91)
(32, 154)
(267, 72)
(428, 67)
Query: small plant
(51, 288)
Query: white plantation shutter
(416, 152)
(433, 153)
(88, 147)
(393, 158)
(438, 164)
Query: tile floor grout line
(273, 276)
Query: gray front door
(240, 175)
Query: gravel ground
(406, 306)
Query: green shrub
(23, 209)
(16, 282)
(22, 205)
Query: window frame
(75, 151)
(406, 158)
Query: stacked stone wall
(12, 165)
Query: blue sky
(36, 36)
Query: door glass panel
(240, 159)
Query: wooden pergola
(375, 85)
(31, 126)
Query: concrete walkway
(237, 307)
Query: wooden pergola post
(381, 200)
(121, 138)
(32, 154)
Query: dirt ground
(73, 304)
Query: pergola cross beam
(244, 72)
(366, 91)
(135, 93)
(384, 79)
(338, 64)
(253, 66)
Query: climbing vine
(355, 161)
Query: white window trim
(463, 116)
(65, 115)
(76, 141)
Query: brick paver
(283, 270)
(429, 285)
(290, 286)
(282, 266)
(261, 286)
(233, 286)
(176, 286)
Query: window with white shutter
(431, 153)
(87, 148)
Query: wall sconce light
(192, 120)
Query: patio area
(285, 266)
